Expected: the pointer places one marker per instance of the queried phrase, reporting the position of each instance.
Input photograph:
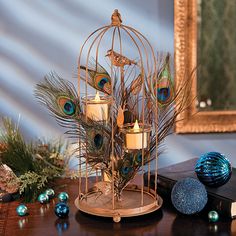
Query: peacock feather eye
(126, 170)
(138, 158)
(67, 106)
(164, 90)
(101, 80)
(163, 94)
(127, 167)
(98, 141)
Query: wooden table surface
(42, 221)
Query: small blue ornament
(61, 210)
(50, 192)
(213, 216)
(22, 210)
(213, 169)
(189, 196)
(63, 197)
(43, 198)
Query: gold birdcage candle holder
(110, 143)
(113, 195)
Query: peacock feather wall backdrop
(119, 115)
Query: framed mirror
(205, 38)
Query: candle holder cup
(136, 139)
(98, 110)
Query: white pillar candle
(134, 139)
(97, 111)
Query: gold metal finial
(116, 18)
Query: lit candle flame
(97, 97)
(136, 126)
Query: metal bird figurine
(118, 59)
(116, 18)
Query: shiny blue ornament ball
(50, 192)
(22, 210)
(43, 198)
(213, 169)
(63, 197)
(61, 210)
(189, 196)
(213, 216)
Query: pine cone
(3, 147)
(8, 180)
(59, 162)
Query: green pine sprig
(35, 165)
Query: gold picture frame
(185, 44)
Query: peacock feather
(164, 86)
(60, 97)
(99, 78)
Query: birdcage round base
(100, 205)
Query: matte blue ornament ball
(189, 196)
(50, 192)
(22, 210)
(61, 210)
(63, 197)
(213, 216)
(43, 198)
(213, 169)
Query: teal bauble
(213, 216)
(22, 210)
(43, 198)
(63, 197)
(61, 210)
(50, 192)
(213, 169)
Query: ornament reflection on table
(213, 169)
(62, 225)
(111, 142)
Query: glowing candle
(134, 138)
(106, 178)
(96, 109)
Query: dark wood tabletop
(42, 221)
